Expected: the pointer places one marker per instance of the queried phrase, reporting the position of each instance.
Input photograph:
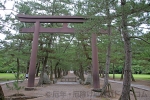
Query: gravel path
(58, 92)
(74, 91)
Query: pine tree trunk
(59, 72)
(51, 74)
(37, 69)
(55, 72)
(43, 70)
(27, 70)
(2, 97)
(108, 49)
(132, 77)
(100, 70)
(55, 69)
(128, 56)
(103, 73)
(18, 69)
(121, 78)
(41, 77)
(81, 73)
(113, 71)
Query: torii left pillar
(95, 65)
(33, 55)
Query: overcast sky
(8, 5)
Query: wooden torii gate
(36, 29)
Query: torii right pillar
(95, 65)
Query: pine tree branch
(140, 39)
(133, 11)
(6, 9)
(64, 51)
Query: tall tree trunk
(121, 78)
(108, 49)
(27, 70)
(100, 70)
(55, 72)
(100, 73)
(132, 77)
(58, 72)
(113, 71)
(103, 73)
(37, 69)
(43, 70)
(51, 74)
(74, 72)
(1, 94)
(18, 69)
(81, 72)
(18, 63)
(125, 95)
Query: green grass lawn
(136, 76)
(8, 76)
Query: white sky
(8, 5)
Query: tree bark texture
(37, 69)
(113, 71)
(128, 56)
(27, 69)
(55, 72)
(81, 72)
(59, 72)
(121, 78)
(108, 54)
(18, 69)
(43, 70)
(51, 74)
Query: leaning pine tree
(128, 55)
(108, 53)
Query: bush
(3, 70)
(137, 69)
(117, 70)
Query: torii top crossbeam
(51, 19)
